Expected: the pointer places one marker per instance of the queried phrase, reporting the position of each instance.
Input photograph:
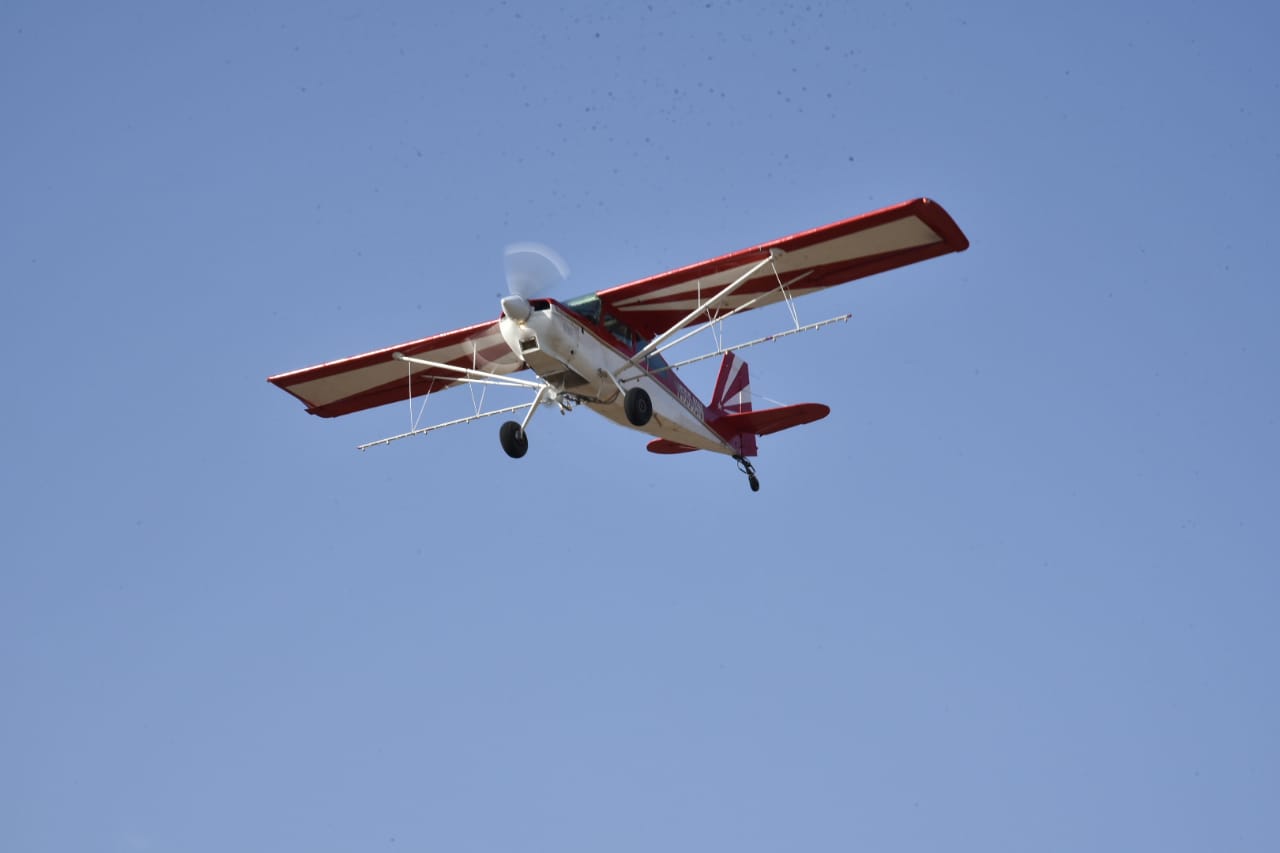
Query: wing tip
(937, 218)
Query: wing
(375, 378)
(811, 261)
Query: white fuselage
(579, 360)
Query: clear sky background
(1018, 592)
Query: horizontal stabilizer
(662, 445)
(767, 421)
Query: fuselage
(580, 350)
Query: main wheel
(638, 406)
(514, 440)
(754, 483)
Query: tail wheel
(638, 406)
(745, 466)
(514, 440)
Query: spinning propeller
(532, 269)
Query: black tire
(513, 439)
(753, 483)
(638, 406)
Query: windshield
(587, 307)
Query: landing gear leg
(515, 441)
(745, 466)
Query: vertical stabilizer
(733, 386)
(733, 397)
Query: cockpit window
(588, 307)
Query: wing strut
(724, 294)
(750, 303)
(766, 339)
(470, 376)
(480, 377)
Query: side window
(619, 331)
(631, 340)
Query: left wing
(375, 378)
(810, 261)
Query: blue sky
(1017, 592)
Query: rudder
(733, 386)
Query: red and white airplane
(605, 350)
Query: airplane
(604, 350)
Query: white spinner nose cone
(517, 308)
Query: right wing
(375, 378)
(811, 261)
